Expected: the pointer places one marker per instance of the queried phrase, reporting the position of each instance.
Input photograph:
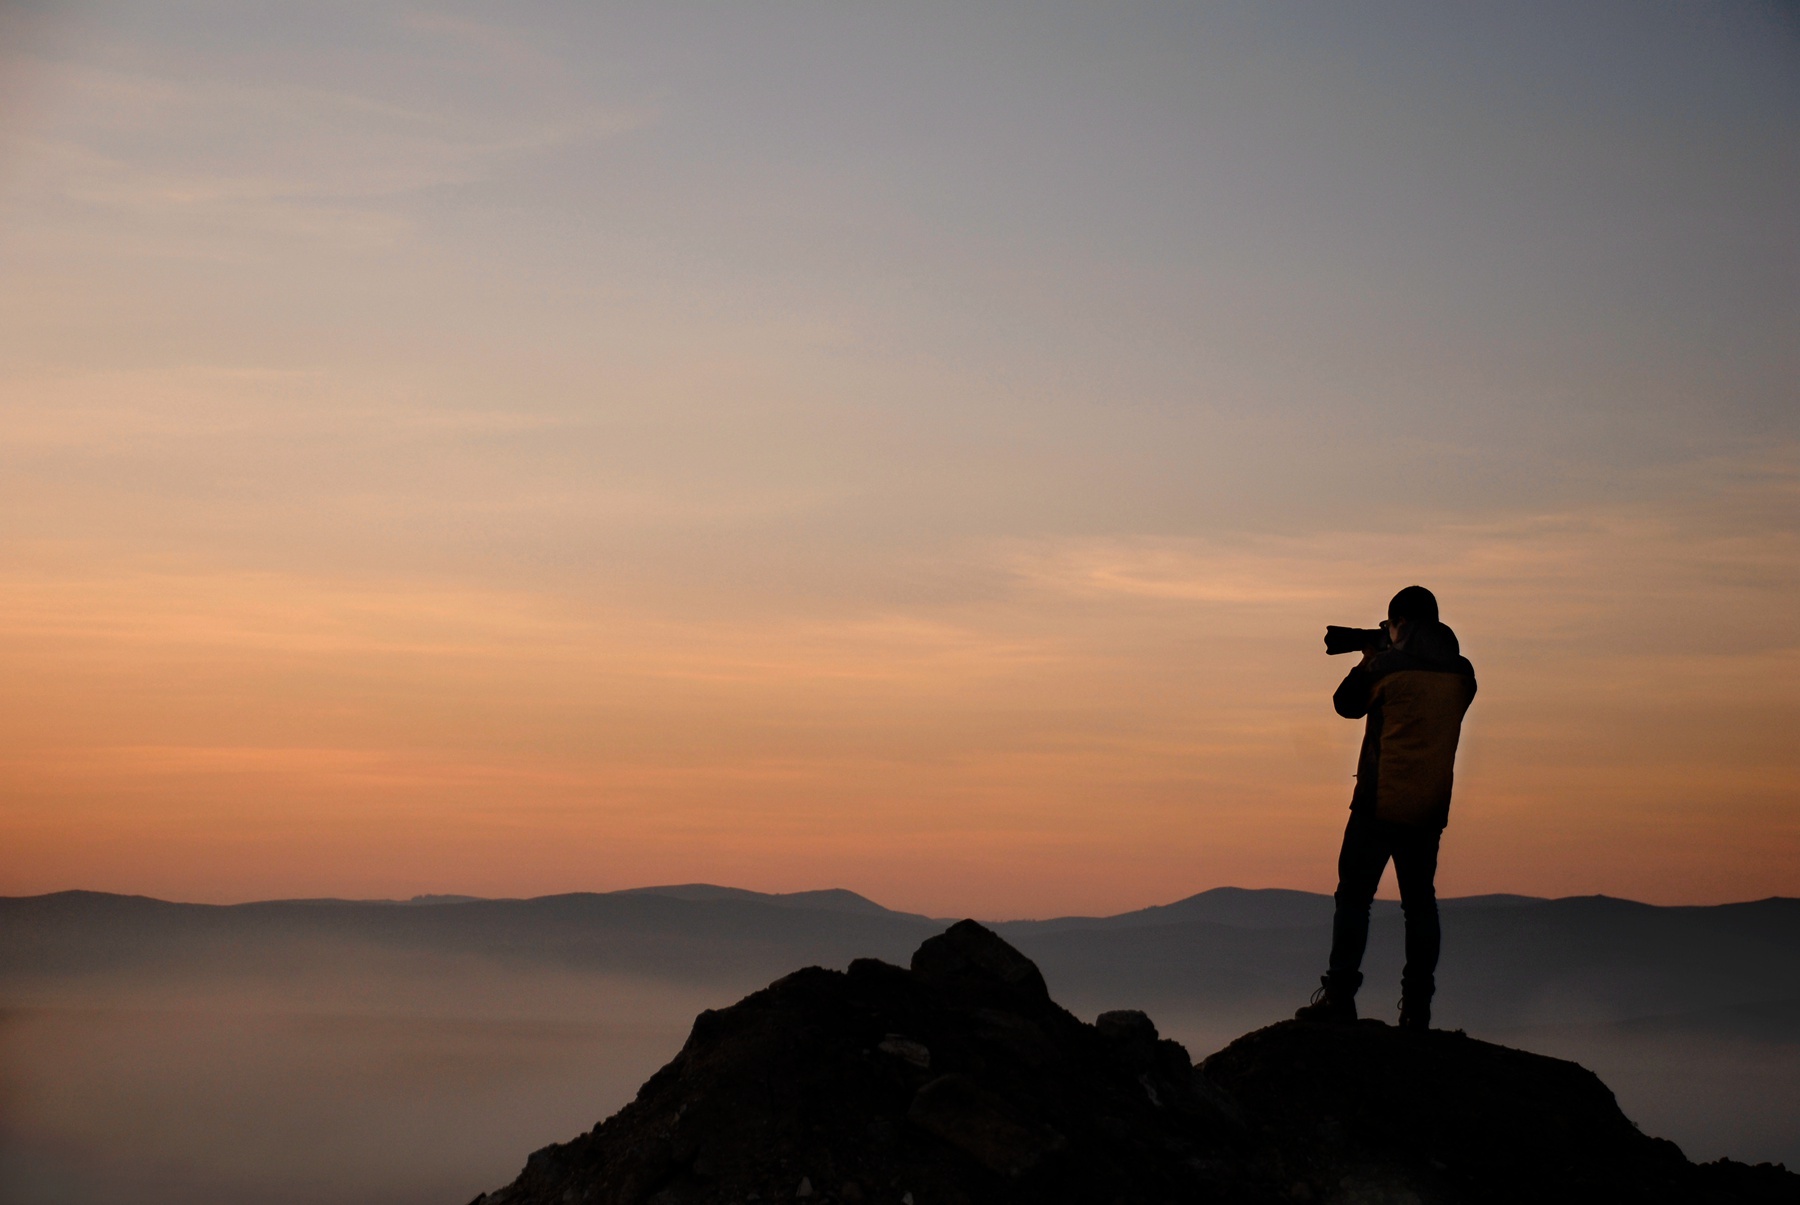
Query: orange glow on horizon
(1125, 724)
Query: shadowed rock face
(959, 1081)
(1371, 1113)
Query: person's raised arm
(1351, 699)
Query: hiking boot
(1415, 1014)
(1331, 1005)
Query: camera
(1355, 640)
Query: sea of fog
(353, 1079)
(374, 1087)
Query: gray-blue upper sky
(1156, 266)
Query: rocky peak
(959, 1080)
(970, 961)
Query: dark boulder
(959, 1081)
(1367, 1112)
(971, 964)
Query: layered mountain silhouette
(1509, 961)
(958, 1080)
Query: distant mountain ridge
(1232, 952)
(1251, 907)
(830, 899)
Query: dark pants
(1368, 845)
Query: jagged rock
(973, 962)
(959, 1081)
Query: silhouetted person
(1414, 694)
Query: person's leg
(1361, 859)
(1415, 869)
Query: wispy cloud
(1708, 562)
(220, 157)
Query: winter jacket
(1414, 699)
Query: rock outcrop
(959, 1081)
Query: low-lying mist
(333, 1084)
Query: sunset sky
(536, 447)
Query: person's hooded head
(1413, 616)
(1415, 604)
